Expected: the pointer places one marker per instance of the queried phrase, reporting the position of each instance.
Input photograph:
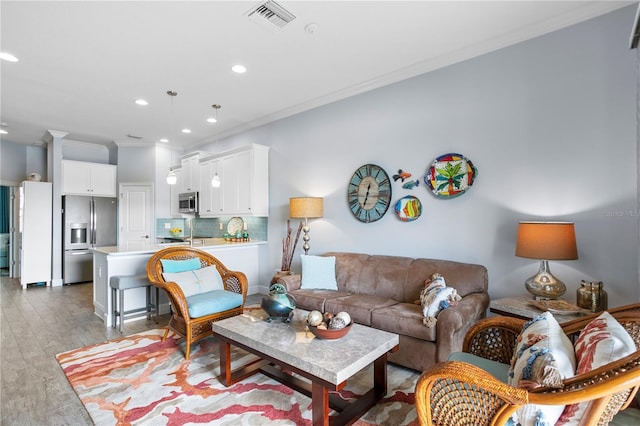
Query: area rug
(141, 380)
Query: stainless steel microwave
(188, 202)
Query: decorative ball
(337, 323)
(314, 318)
(344, 316)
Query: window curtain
(4, 209)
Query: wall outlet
(220, 226)
(167, 225)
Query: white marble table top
(331, 360)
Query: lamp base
(544, 285)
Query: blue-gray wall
(550, 124)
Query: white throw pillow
(602, 341)
(197, 281)
(544, 355)
(318, 272)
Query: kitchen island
(132, 258)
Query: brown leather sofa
(380, 291)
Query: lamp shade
(306, 207)
(547, 241)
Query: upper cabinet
(190, 177)
(174, 191)
(244, 182)
(82, 178)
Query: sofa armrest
(453, 323)
(291, 282)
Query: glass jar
(590, 295)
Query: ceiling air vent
(271, 12)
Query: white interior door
(136, 214)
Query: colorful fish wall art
(401, 175)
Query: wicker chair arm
(493, 338)
(617, 376)
(177, 298)
(236, 282)
(455, 393)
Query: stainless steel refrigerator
(88, 222)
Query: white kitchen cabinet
(83, 178)
(244, 176)
(190, 178)
(210, 197)
(174, 191)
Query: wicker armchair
(457, 393)
(193, 329)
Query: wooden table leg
(225, 363)
(319, 405)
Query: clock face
(369, 193)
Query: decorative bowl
(329, 334)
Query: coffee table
(327, 364)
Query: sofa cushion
(196, 281)
(315, 299)
(169, 265)
(318, 272)
(213, 302)
(543, 355)
(602, 341)
(359, 306)
(404, 319)
(402, 278)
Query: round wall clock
(369, 193)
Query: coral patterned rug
(141, 380)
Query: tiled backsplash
(210, 227)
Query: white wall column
(53, 138)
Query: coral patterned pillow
(544, 356)
(602, 341)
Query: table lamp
(546, 241)
(305, 208)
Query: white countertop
(148, 247)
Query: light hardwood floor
(35, 325)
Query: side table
(519, 307)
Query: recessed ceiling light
(211, 120)
(186, 131)
(240, 69)
(8, 57)
(165, 140)
(3, 132)
(141, 102)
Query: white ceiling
(82, 64)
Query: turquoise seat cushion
(213, 302)
(190, 264)
(496, 369)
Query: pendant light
(172, 179)
(215, 181)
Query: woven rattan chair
(456, 393)
(193, 329)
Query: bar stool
(120, 283)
